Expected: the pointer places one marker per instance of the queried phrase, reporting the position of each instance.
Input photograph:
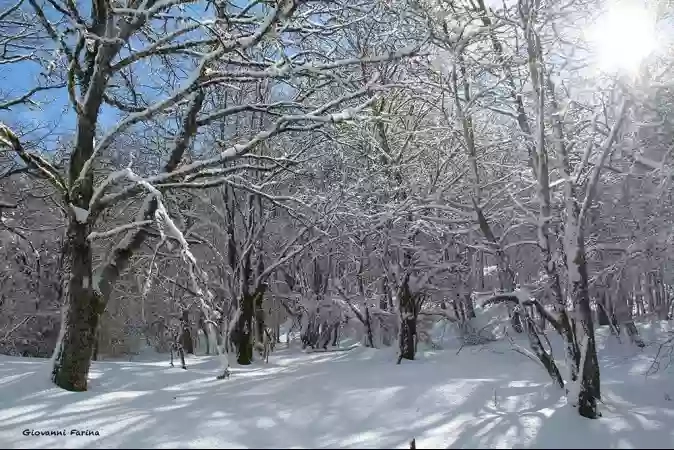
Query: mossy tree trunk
(83, 309)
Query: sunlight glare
(624, 36)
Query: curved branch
(510, 298)
(11, 140)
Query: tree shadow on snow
(310, 401)
(149, 405)
(551, 423)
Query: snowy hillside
(484, 397)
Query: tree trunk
(335, 335)
(544, 357)
(259, 319)
(244, 331)
(590, 389)
(204, 330)
(97, 345)
(407, 333)
(602, 311)
(84, 307)
(368, 327)
(244, 327)
(309, 336)
(455, 306)
(181, 352)
(408, 324)
(470, 308)
(660, 296)
(516, 320)
(186, 333)
(384, 300)
(633, 334)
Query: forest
(232, 178)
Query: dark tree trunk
(385, 299)
(176, 346)
(310, 335)
(328, 334)
(602, 311)
(590, 389)
(407, 333)
(470, 308)
(244, 329)
(462, 310)
(516, 321)
(368, 326)
(544, 356)
(259, 319)
(186, 333)
(181, 352)
(84, 307)
(408, 323)
(204, 330)
(97, 344)
(455, 306)
(633, 334)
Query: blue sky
(53, 110)
(53, 116)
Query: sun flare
(624, 36)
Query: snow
(490, 270)
(81, 214)
(484, 397)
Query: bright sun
(624, 36)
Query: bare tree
(215, 50)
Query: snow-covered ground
(484, 397)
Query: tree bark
(204, 330)
(602, 311)
(97, 345)
(335, 335)
(244, 331)
(368, 326)
(186, 333)
(244, 328)
(470, 308)
(590, 389)
(408, 323)
(259, 319)
(71, 367)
